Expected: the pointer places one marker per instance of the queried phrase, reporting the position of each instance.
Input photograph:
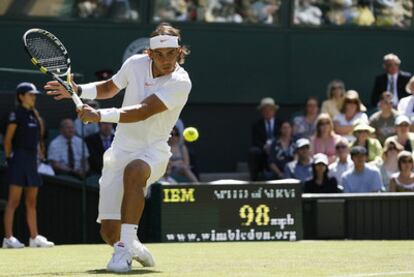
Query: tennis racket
(48, 53)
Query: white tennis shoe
(12, 242)
(121, 260)
(142, 255)
(40, 241)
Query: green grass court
(305, 258)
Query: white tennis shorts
(111, 185)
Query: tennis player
(156, 90)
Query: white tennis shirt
(173, 89)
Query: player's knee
(136, 172)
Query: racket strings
(48, 54)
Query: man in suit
(393, 80)
(263, 132)
(97, 144)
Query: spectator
(180, 160)
(362, 133)
(325, 139)
(304, 126)
(343, 161)
(341, 12)
(403, 136)
(351, 114)
(320, 182)
(167, 179)
(364, 15)
(68, 153)
(97, 144)
(282, 151)
(85, 130)
(265, 11)
(393, 80)
(362, 178)
(383, 120)
(336, 94)
(306, 13)
(406, 104)
(21, 145)
(301, 167)
(264, 131)
(389, 163)
(403, 181)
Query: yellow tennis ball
(190, 134)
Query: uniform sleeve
(120, 79)
(174, 93)
(13, 118)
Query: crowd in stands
(344, 146)
(388, 13)
(233, 11)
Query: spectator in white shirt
(343, 161)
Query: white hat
(267, 101)
(302, 142)
(320, 158)
(401, 119)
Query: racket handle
(77, 101)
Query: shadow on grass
(94, 271)
(132, 272)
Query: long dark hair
(325, 174)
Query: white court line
(377, 274)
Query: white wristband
(110, 115)
(88, 91)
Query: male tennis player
(156, 90)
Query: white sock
(128, 233)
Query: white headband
(164, 41)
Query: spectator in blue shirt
(301, 167)
(361, 178)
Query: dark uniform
(22, 168)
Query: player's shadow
(132, 272)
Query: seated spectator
(325, 139)
(362, 134)
(321, 182)
(68, 153)
(265, 11)
(351, 114)
(263, 131)
(403, 134)
(301, 167)
(307, 14)
(282, 151)
(364, 15)
(167, 179)
(389, 163)
(394, 13)
(304, 126)
(406, 106)
(341, 12)
(403, 181)
(83, 130)
(362, 177)
(383, 121)
(336, 94)
(180, 160)
(343, 161)
(393, 80)
(97, 144)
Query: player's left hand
(88, 114)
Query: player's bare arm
(148, 107)
(104, 90)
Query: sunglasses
(406, 161)
(341, 147)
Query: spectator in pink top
(325, 138)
